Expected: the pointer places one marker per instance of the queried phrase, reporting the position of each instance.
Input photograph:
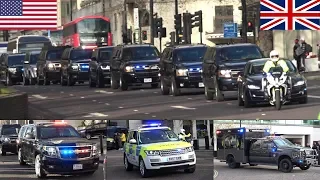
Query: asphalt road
(116, 171)
(261, 172)
(82, 102)
(11, 170)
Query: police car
(154, 147)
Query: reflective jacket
(270, 64)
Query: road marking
(135, 110)
(183, 107)
(263, 114)
(94, 100)
(146, 113)
(215, 174)
(82, 97)
(103, 92)
(39, 96)
(189, 98)
(71, 94)
(107, 104)
(316, 97)
(61, 92)
(154, 116)
(120, 107)
(96, 115)
(313, 87)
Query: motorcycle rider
(275, 61)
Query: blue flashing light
(85, 67)
(155, 124)
(22, 69)
(137, 67)
(300, 161)
(267, 130)
(67, 152)
(241, 130)
(195, 69)
(274, 149)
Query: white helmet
(182, 131)
(274, 55)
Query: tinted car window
(81, 54)
(141, 53)
(56, 132)
(10, 130)
(105, 54)
(241, 53)
(54, 54)
(257, 67)
(193, 54)
(34, 58)
(15, 60)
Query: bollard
(206, 141)
(101, 143)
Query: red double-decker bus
(88, 32)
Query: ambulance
(153, 147)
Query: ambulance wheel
(232, 163)
(143, 171)
(127, 165)
(192, 169)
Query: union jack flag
(289, 14)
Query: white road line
(316, 97)
(215, 174)
(103, 92)
(39, 96)
(183, 107)
(96, 115)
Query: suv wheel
(219, 96)
(175, 91)
(165, 90)
(285, 165)
(240, 99)
(143, 171)
(113, 82)
(40, 173)
(20, 158)
(208, 93)
(232, 163)
(123, 84)
(127, 165)
(246, 101)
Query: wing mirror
(133, 141)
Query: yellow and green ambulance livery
(153, 147)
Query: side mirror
(26, 62)
(93, 59)
(30, 136)
(14, 51)
(133, 141)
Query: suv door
(169, 65)
(255, 152)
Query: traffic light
(196, 20)
(144, 35)
(177, 22)
(250, 26)
(158, 26)
(172, 37)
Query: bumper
(189, 82)
(308, 161)
(66, 167)
(53, 75)
(141, 78)
(16, 77)
(158, 162)
(80, 76)
(228, 84)
(9, 147)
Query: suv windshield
(257, 67)
(105, 54)
(141, 53)
(241, 53)
(56, 132)
(283, 142)
(34, 58)
(54, 54)
(15, 60)
(193, 54)
(80, 54)
(157, 136)
(10, 130)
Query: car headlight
(50, 151)
(253, 87)
(50, 66)
(105, 67)
(299, 83)
(34, 68)
(94, 150)
(182, 72)
(189, 149)
(12, 70)
(7, 139)
(225, 73)
(152, 153)
(129, 68)
(74, 66)
(295, 154)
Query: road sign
(230, 30)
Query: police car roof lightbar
(151, 125)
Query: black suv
(134, 65)
(75, 65)
(11, 68)
(56, 148)
(8, 138)
(30, 68)
(99, 67)
(180, 67)
(222, 66)
(48, 65)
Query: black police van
(75, 65)
(8, 138)
(11, 68)
(255, 146)
(56, 148)
(30, 68)
(181, 67)
(222, 65)
(99, 67)
(134, 65)
(48, 65)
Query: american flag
(290, 14)
(28, 14)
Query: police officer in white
(185, 137)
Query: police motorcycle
(275, 85)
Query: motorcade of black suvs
(75, 65)
(11, 68)
(222, 65)
(56, 148)
(30, 68)
(181, 68)
(134, 65)
(253, 90)
(48, 65)
(255, 146)
(111, 131)
(8, 138)
(99, 67)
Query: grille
(235, 73)
(147, 74)
(172, 152)
(84, 67)
(147, 70)
(75, 152)
(195, 74)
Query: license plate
(77, 166)
(201, 85)
(147, 80)
(174, 159)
